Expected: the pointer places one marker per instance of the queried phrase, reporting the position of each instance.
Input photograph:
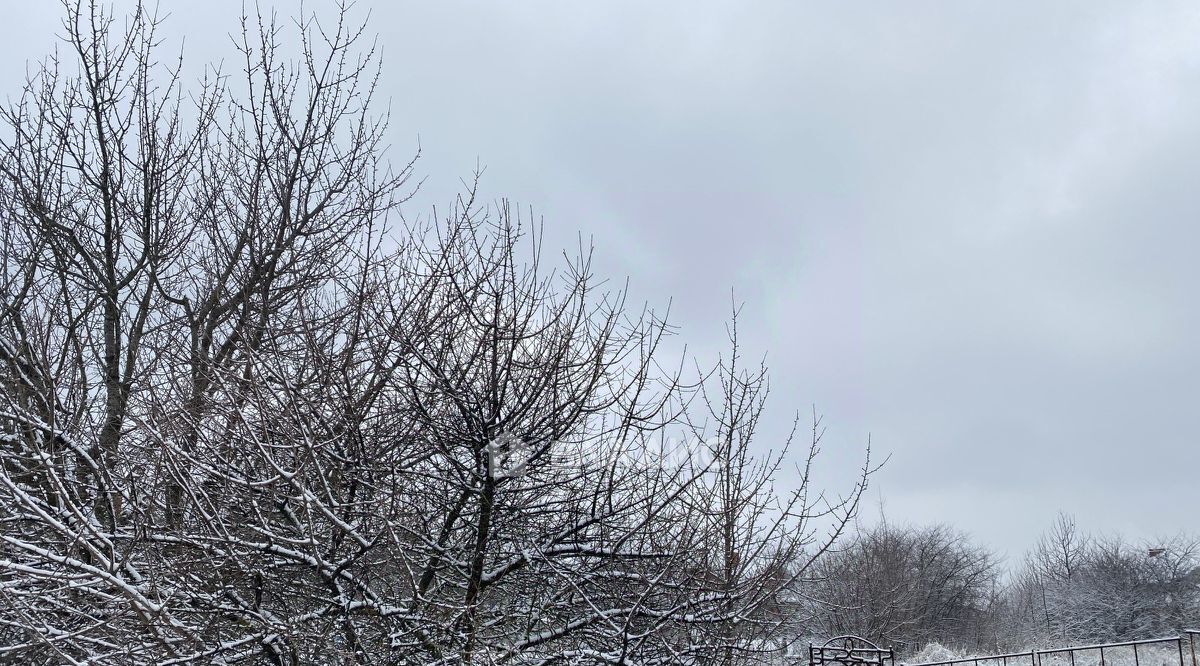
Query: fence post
(1101, 655)
(1135, 656)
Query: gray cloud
(966, 228)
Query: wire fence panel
(1171, 651)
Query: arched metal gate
(850, 651)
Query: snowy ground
(1160, 654)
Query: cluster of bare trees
(907, 587)
(1077, 587)
(911, 587)
(248, 413)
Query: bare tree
(760, 544)
(244, 419)
(1051, 570)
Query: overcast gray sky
(968, 229)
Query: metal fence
(1172, 651)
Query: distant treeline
(907, 587)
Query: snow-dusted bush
(933, 651)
